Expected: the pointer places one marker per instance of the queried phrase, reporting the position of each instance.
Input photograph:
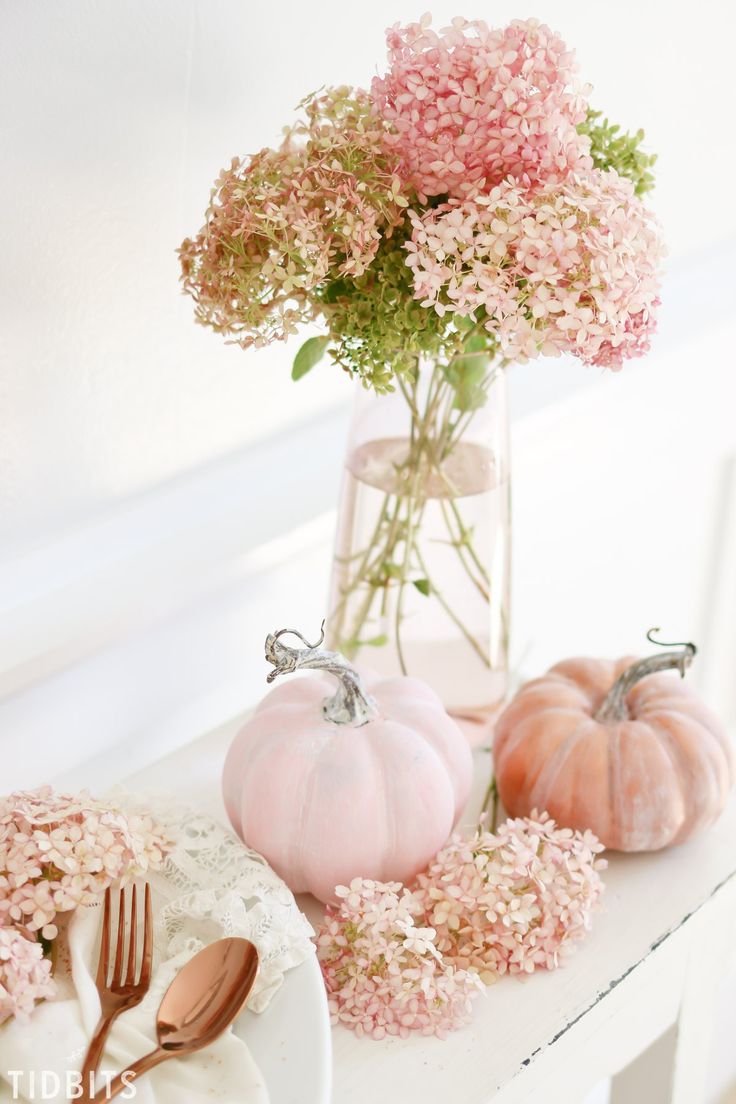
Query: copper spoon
(202, 1001)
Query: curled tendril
(674, 644)
(295, 632)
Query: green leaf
(336, 289)
(476, 343)
(310, 354)
(350, 645)
(422, 586)
(612, 148)
(466, 373)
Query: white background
(115, 117)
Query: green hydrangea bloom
(610, 149)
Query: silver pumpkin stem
(614, 705)
(351, 704)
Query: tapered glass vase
(420, 580)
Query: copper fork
(122, 990)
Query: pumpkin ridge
(525, 706)
(388, 784)
(265, 741)
(516, 734)
(441, 746)
(636, 734)
(308, 807)
(418, 744)
(242, 756)
(552, 768)
(590, 677)
(679, 700)
(615, 786)
(694, 810)
(312, 689)
(553, 680)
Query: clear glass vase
(420, 580)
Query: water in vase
(421, 578)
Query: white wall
(115, 116)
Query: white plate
(290, 1041)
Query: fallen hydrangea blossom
(515, 900)
(25, 975)
(58, 851)
(383, 972)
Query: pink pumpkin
(332, 788)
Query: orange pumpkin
(615, 746)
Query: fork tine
(117, 970)
(147, 957)
(133, 944)
(104, 962)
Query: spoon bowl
(206, 995)
(204, 998)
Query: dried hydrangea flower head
(281, 221)
(383, 972)
(58, 851)
(470, 105)
(25, 975)
(573, 267)
(515, 900)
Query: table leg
(674, 1069)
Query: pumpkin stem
(351, 704)
(614, 706)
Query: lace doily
(212, 886)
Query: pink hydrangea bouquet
(59, 851)
(467, 211)
(471, 195)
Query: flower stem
(381, 567)
(475, 644)
(490, 804)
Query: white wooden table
(646, 975)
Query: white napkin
(55, 1040)
(209, 886)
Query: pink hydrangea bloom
(383, 972)
(573, 267)
(471, 105)
(58, 851)
(515, 900)
(25, 975)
